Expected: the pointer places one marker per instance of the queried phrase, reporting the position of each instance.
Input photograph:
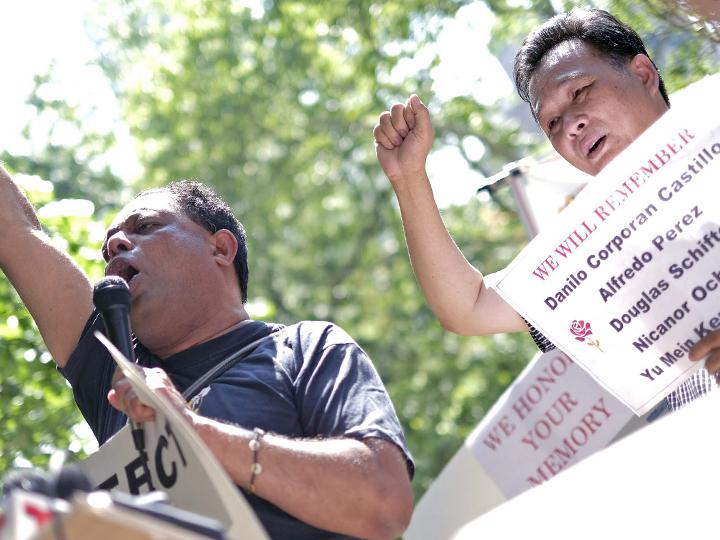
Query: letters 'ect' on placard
(627, 279)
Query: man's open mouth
(121, 268)
(593, 150)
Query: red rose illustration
(580, 329)
(582, 332)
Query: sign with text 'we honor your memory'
(628, 277)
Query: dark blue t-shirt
(307, 380)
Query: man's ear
(642, 67)
(225, 247)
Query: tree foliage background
(274, 107)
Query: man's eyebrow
(131, 218)
(115, 228)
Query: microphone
(60, 484)
(111, 297)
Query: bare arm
(56, 292)
(355, 487)
(454, 288)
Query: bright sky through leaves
(39, 32)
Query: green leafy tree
(70, 155)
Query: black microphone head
(111, 291)
(61, 484)
(70, 479)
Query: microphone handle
(117, 326)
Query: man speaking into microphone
(300, 421)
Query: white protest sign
(176, 462)
(627, 280)
(658, 483)
(553, 416)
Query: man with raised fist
(593, 89)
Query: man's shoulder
(318, 333)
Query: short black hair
(206, 208)
(608, 36)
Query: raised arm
(454, 288)
(56, 292)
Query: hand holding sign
(178, 462)
(708, 348)
(124, 398)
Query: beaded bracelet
(255, 469)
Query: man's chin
(141, 314)
(586, 167)
(593, 167)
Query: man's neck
(195, 335)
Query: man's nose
(118, 242)
(576, 124)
